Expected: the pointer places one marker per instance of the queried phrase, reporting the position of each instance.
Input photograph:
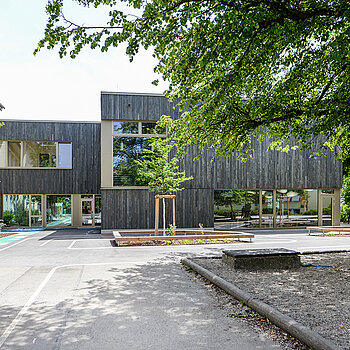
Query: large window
(58, 210)
(129, 141)
(16, 210)
(22, 210)
(35, 154)
(272, 208)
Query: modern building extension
(56, 174)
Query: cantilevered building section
(57, 174)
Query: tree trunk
(164, 216)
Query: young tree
(159, 170)
(242, 69)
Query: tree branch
(85, 27)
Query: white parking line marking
(10, 246)
(71, 245)
(41, 245)
(87, 248)
(32, 299)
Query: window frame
(129, 135)
(22, 155)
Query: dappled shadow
(150, 306)
(68, 234)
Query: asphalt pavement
(72, 289)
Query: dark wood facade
(132, 208)
(136, 106)
(84, 177)
(126, 209)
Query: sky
(45, 87)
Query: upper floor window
(35, 154)
(129, 141)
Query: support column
(274, 213)
(260, 207)
(319, 207)
(106, 153)
(76, 210)
(336, 208)
(43, 209)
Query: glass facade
(125, 151)
(128, 149)
(126, 127)
(41, 210)
(64, 155)
(279, 208)
(97, 210)
(39, 154)
(14, 154)
(16, 210)
(58, 210)
(240, 206)
(35, 154)
(2, 153)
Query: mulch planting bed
(317, 296)
(181, 242)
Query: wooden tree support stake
(161, 196)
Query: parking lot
(73, 289)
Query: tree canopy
(241, 68)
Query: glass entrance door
(327, 210)
(87, 212)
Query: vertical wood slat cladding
(273, 169)
(84, 177)
(136, 107)
(134, 209)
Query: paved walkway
(74, 290)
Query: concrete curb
(295, 329)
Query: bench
(323, 229)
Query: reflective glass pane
(36, 222)
(239, 208)
(58, 210)
(150, 128)
(126, 127)
(125, 151)
(64, 155)
(39, 154)
(16, 210)
(98, 211)
(86, 212)
(2, 153)
(36, 205)
(327, 211)
(296, 207)
(267, 208)
(14, 154)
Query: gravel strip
(317, 297)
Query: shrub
(226, 213)
(21, 217)
(7, 217)
(345, 212)
(310, 212)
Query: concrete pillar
(106, 153)
(76, 210)
(336, 208)
(319, 207)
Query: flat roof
(131, 93)
(50, 121)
